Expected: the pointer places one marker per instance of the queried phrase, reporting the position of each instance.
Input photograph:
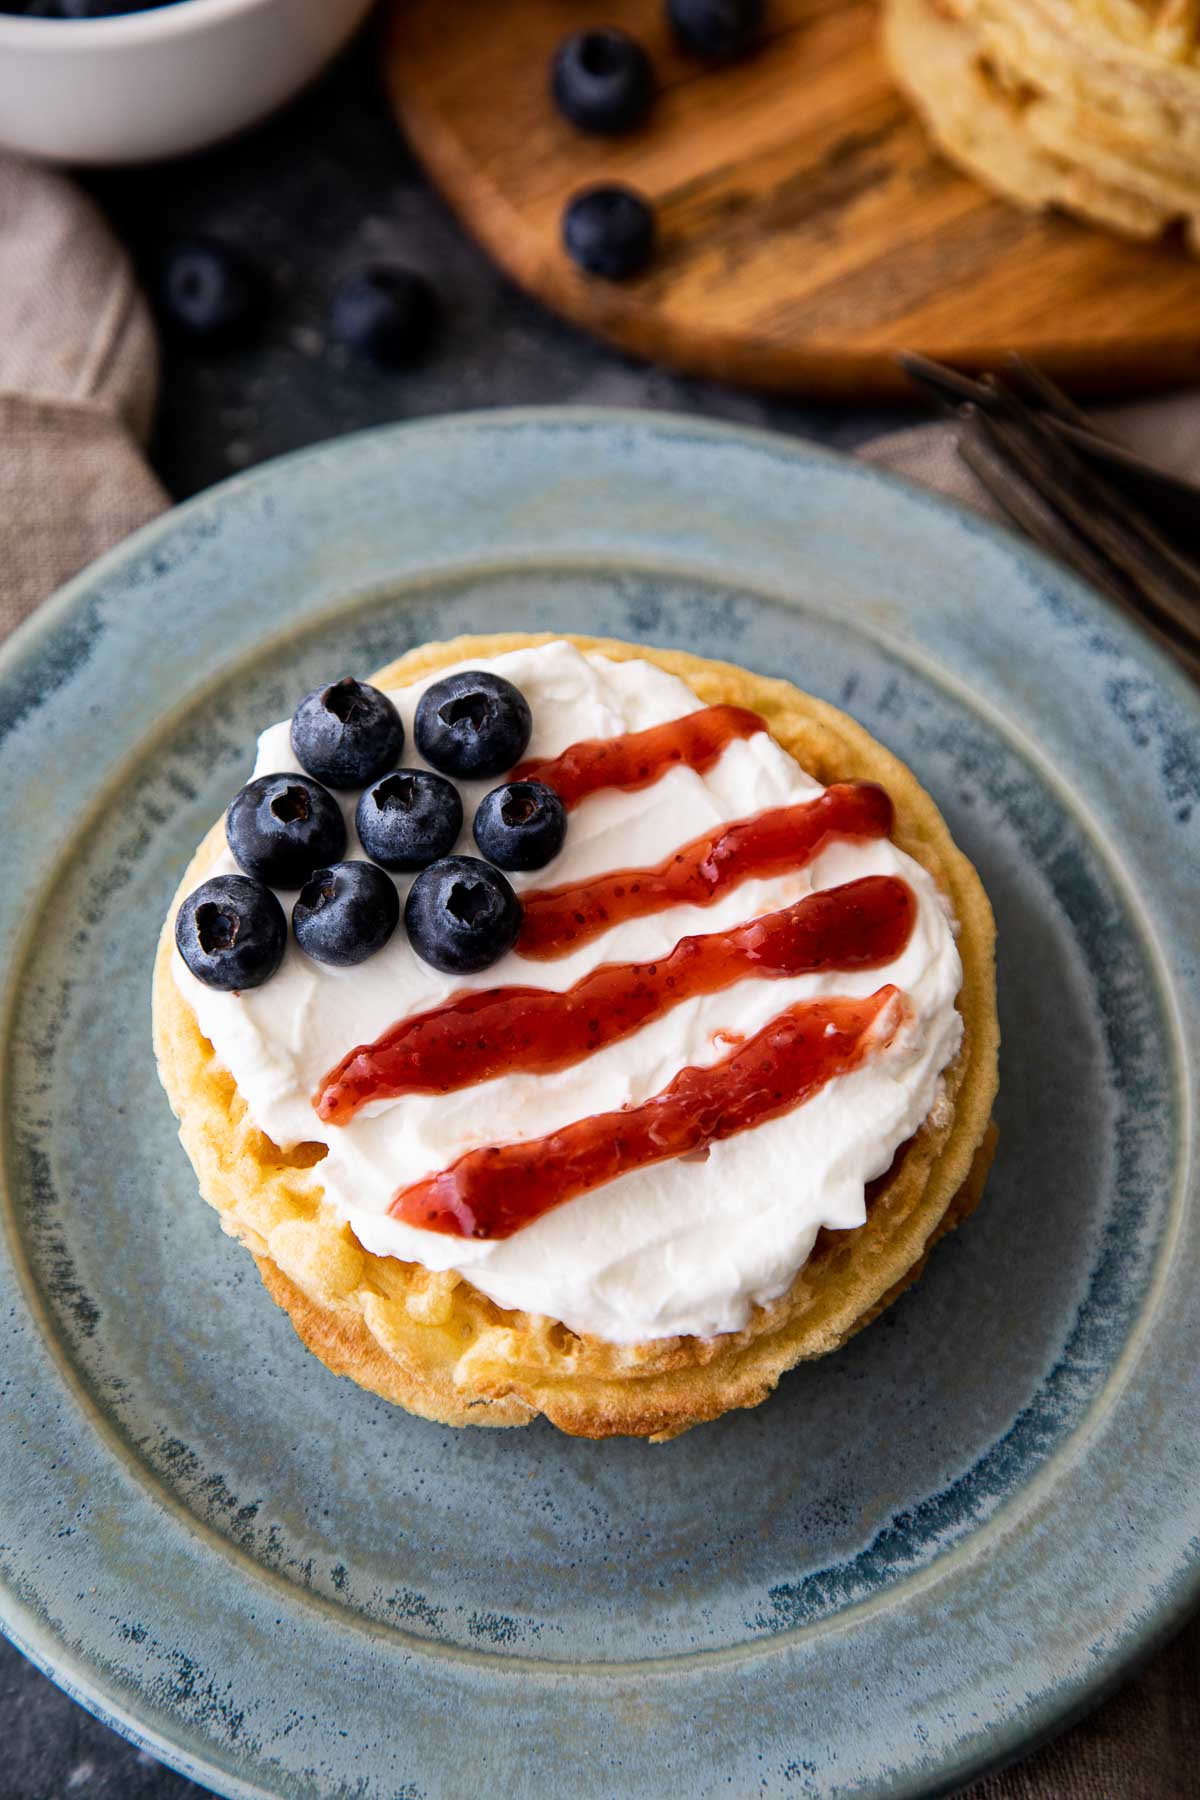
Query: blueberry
(409, 819)
(609, 231)
(462, 915)
(387, 313)
(602, 80)
(521, 825)
(81, 9)
(472, 724)
(345, 913)
(231, 933)
(211, 291)
(347, 734)
(282, 827)
(716, 29)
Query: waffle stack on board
(1090, 105)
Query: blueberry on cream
(472, 724)
(345, 913)
(347, 734)
(462, 915)
(281, 827)
(409, 819)
(231, 933)
(521, 825)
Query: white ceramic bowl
(152, 84)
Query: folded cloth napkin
(78, 373)
(78, 381)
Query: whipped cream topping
(685, 1247)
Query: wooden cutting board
(807, 230)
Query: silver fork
(1125, 526)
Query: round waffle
(436, 1345)
(1069, 103)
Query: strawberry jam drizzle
(561, 919)
(637, 759)
(481, 1034)
(494, 1192)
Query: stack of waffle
(1091, 105)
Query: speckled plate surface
(926, 1551)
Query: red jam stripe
(509, 1030)
(561, 919)
(493, 1192)
(637, 759)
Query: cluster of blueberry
(287, 831)
(602, 80)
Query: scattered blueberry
(609, 231)
(521, 825)
(388, 313)
(347, 734)
(211, 291)
(282, 827)
(602, 80)
(716, 29)
(345, 913)
(409, 819)
(462, 915)
(231, 933)
(472, 724)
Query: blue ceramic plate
(924, 1553)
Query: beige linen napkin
(78, 367)
(78, 380)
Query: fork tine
(1063, 461)
(945, 386)
(1039, 452)
(1167, 581)
(1039, 388)
(989, 460)
(1171, 503)
(1172, 608)
(994, 472)
(1025, 508)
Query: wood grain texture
(808, 231)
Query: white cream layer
(685, 1247)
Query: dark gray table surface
(322, 190)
